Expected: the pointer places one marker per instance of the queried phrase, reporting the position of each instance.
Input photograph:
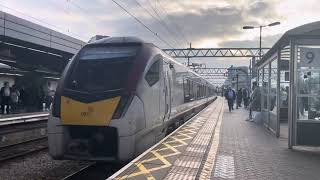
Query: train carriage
(117, 97)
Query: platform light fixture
(261, 26)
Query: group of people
(10, 97)
(251, 100)
(242, 95)
(13, 99)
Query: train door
(167, 92)
(164, 99)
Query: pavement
(249, 151)
(218, 144)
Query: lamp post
(260, 27)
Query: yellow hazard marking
(178, 140)
(96, 114)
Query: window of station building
(273, 85)
(153, 75)
(308, 79)
(265, 86)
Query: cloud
(193, 20)
(221, 22)
(259, 7)
(267, 41)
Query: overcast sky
(205, 23)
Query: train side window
(153, 74)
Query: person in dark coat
(14, 98)
(5, 97)
(239, 97)
(255, 101)
(246, 97)
(230, 95)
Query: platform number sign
(309, 57)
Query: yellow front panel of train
(93, 114)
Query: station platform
(217, 144)
(23, 114)
(8, 119)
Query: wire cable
(178, 27)
(160, 22)
(139, 21)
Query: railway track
(96, 171)
(23, 148)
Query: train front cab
(92, 118)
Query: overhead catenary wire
(177, 26)
(166, 15)
(159, 21)
(144, 25)
(162, 21)
(85, 11)
(139, 4)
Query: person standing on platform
(5, 98)
(14, 97)
(46, 96)
(255, 101)
(246, 97)
(230, 95)
(239, 97)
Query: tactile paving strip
(202, 139)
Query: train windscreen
(101, 69)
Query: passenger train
(117, 97)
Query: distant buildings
(238, 77)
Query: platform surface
(217, 144)
(180, 154)
(23, 114)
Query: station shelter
(289, 79)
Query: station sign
(310, 57)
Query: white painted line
(160, 142)
(224, 167)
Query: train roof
(118, 40)
(136, 40)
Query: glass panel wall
(284, 91)
(306, 104)
(308, 77)
(265, 94)
(273, 95)
(260, 77)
